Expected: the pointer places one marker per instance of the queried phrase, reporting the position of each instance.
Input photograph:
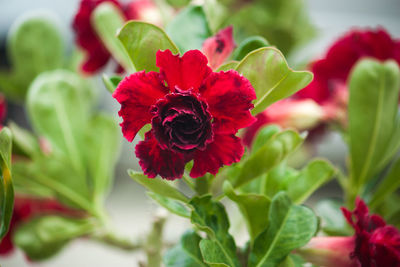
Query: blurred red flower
(219, 47)
(194, 112)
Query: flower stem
(154, 243)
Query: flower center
(181, 122)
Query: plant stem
(154, 243)
(112, 239)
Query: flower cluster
(194, 112)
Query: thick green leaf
(111, 83)
(189, 28)
(6, 186)
(43, 237)
(158, 186)
(210, 217)
(332, 220)
(271, 77)
(389, 185)
(373, 105)
(311, 177)
(107, 20)
(59, 104)
(34, 45)
(249, 44)
(231, 65)
(274, 151)
(254, 208)
(186, 253)
(290, 227)
(174, 206)
(24, 142)
(142, 41)
(102, 150)
(263, 136)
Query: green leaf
(332, 220)
(142, 41)
(24, 142)
(215, 14)
(231, 65)
(311, 177)
(174, 206)
(186, 253)
(388, 186)
(107, 19)
(274, 151)
(271, 77)
(290, 227)
(373, 105)
(102, 150)
(59, 104)
(111, 83)
(34, 45)
(248, 45)
(43, 237)
(189, 28)
(210, 217)
(158, 186)
(6, 186)
(263, 136)
(178, 3)
(254, 208)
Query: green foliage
(249, 44)
(42, 237)
(210, 217)
(215, 14)
(189, 28)
(6, 186)
(186, 253)
(332, 220)
(141, 41)
(373, 118)
(34, 45)
(231, 65)
(290, 227)
(173, 205)
(107, 19)
(271, 77)
(112, 82)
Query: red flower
(3, 110)
(334, 69)
(194, 112)
(97, 54)
(376, 244)
(26, 208)
(219, 47)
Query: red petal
(136, 94)
(229, 97)
(225, 150)
(155, 161)
(219, 47)
(185, 72)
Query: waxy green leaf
(189, 28)
(373, 107)
(290, 227)
(210, 217)
(254, 208)
(158, 186)
(43, 237)
(6, 186)
(175, 206)
(186, 253)
(142, 41)
(271, 77)
(107, 19)
(248, 45)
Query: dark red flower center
(182, 122)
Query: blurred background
(128, 204)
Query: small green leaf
(263, 136)
(186, 253)
(215, 13)
(142, 41)
(6, 186)
(311, 177)
(248, 45)
(332, 220)
(271, 77)
(189, 28)
(210, 217)
(253, 207)
(158, 186)
(373, 106)
(107, 20)
(274, 151)
(43, 237)
(111, 83)
(170, 204)
(231, 65)
(24, 142)
(290, 227)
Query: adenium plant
(213, 124)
